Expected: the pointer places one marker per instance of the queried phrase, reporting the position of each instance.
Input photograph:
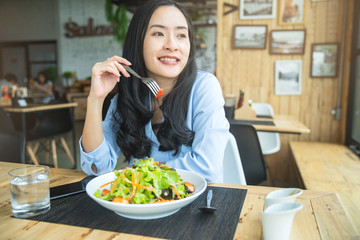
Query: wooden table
(323, 215)
(282, 124)
(330, 167)
(37, 108)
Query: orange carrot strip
(138, 180)
(114, 185)
(126, 180)
(106, 184)
(173, 187)
(147, 188)
(134, 187)
(138, 177)
(138, 185)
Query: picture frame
(249, 36)
(288, 77)
(287, 42)
(291, 12)
(324, 60)
(257, 9)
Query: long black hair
(133, 105)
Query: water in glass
(29, 191)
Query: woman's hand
(105, 75)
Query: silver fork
(149, 82)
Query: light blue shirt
(205, 117)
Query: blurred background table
(278, 123)
(31, 108)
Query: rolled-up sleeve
(207, 119)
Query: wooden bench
(329, 167)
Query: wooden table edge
(40, 107)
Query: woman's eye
(158, 34)
(182, 35)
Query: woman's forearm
(92, 135)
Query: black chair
(11, 144)
(52, 124)
(250, 152)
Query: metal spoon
(207, 208)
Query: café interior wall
(254, 72)
(79, 54)
(24, 20)
(41, 20)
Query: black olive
(166, 194)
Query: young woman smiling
(186, 127)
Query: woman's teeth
(168, 59)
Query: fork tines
(149, 82)
(154, 87)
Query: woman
(186, 127)
(43, 85)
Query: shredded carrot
(138, 185)
(106, 184)
(114, 185)
(138, 180)
(156, 163)
(134, 187)
(163, 200)
(173, 187)
(126, 180)
(147, 188)
(138, 177)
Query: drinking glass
(230, 101)
(30, 192)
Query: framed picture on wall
(291, 12)
(257, 9)
(287, 42)
(324, 59)
(288, 77)
(249, 36)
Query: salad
(147, 181)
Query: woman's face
(41, 78)
(166, 43)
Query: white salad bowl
(151, 210)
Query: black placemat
(258, 122)
(188, 223)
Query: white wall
(27, 20)
(206, 58)
(80, 54)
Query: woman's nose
(171, 44)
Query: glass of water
(30, 192)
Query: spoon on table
(207, 208)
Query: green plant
(51, 73)
(67, 74)
(118, 19)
